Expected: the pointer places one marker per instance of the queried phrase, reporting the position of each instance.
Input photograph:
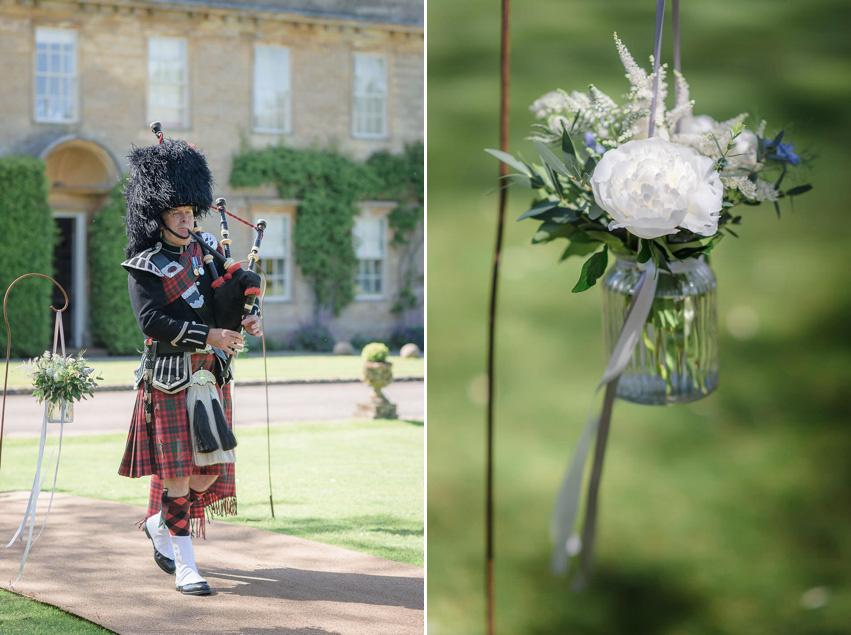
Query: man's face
(178, 220)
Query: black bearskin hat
(162, 177)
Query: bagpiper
(181, 429)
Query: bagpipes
(236, 291)
(235, 294)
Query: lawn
(21, 616)
(357, 484)
(730, 515)
(300, 367)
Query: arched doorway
(80, 175)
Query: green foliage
(112, 321)
(312, 337)
(592, 269)
(359, 341)
(375, 352)
(26, 245)
(55, 377)
(403, 221)
(328, 185)
(408, 335)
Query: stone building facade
(83, 80)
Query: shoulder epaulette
(142, 261)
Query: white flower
(699, 125)
(642, 126)
(744, 149)
(558, 124)
(765, 191)
(651, 187)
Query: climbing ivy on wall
(328, 185)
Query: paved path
(93, 562)
(109, 411)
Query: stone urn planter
(377, 373)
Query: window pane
(271, 87)
(167, 77)
(370, 95)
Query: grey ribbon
(567, 542)
(38, 479)
(657, 54)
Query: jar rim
(677, 266)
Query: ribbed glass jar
(676, 358)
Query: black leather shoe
(166, 564)
(196, 588)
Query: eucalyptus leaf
(795, 191)
(567, 144)
(551, 160)
(590, 164)
(614, 243)
(557, 185)
(519, 179)
(550, 231)
(509, 160)
(580, 245)
(660, 242)
(538, 209)
(592, 269)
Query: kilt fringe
(222, 507)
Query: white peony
(651, 187)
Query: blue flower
(591, 142)
(784, 152)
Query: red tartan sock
(176, 514)
(195, 496)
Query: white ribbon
(38, 479)
(566, 541)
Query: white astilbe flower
(765, 191)
(636, 75)
(741, 183)
(683, 93)
(554, 102)
(684, 106)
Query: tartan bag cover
(177, 282)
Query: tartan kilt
(171, 433)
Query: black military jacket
(172, 295)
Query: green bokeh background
(729, 515)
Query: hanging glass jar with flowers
(657, 194)
(61, 381)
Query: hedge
(26, 245)
(112, 321)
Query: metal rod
(505, 81)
